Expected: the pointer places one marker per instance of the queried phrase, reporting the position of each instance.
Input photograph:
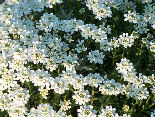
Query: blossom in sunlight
(78, 83)
(108, 112)
(146, 1)
(51, 64)
(45, 110)
(80, 47)
(125, 108)
(127, 6)
(96, 57)
(39, 77)
(59, 85)
(47, 22)
(114, 43)
(105, 45)
(86, 111)
(17, 111)
(110, 87)
(152, 46)
(99, 9)
(124, 66)
(102, 11)
(131, 16)
(81, 97)
(94, 79)
(137, 91)
(5, 101)
(63, 58)
(19, 96)
(65, 105)
(125, 40)
(44, 91)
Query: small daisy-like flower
(17, 111)
(102, 12)
(65, 105)
(39, 77)
(81, 97)
(19, 96)
(108, 112)
(59, 85)
(131, 16)
(45, 110)
(125, 108)
(94, 79)
(86, 111)
(80, 47)
(96, 57)
(114, 43)
(110, 87)
(124, 65)
(126, 40)
(44, 92)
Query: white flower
(110, 87)
(124, 65)
(127, 6)
(80, 47)
(40, 77)
(86, 111)
(5, 101)
(68, 37)
(125, 108)
(65, 105)
(105, 45)
(70, 60)
(99, 9)
(131, 16)
(94, 79)
(108, 112)
(146, 1)
(78, 82)
(102, 11)
(114, 43)
(45, 110)
(96, 57)
(152, 113)
(44, 92)
(126, 40)
(17, 111)
(59, 85)
(81, 97)
(137, 91)
(48, 22)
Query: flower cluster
(110, 112)
(73, 62)
(45, 110)
(136, 87)
(80, 46)
(96, 57)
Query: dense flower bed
(77, 58)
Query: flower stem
(123, 52)
(92, 96)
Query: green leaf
(83, 62)
(136, 64)
(74, 105)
